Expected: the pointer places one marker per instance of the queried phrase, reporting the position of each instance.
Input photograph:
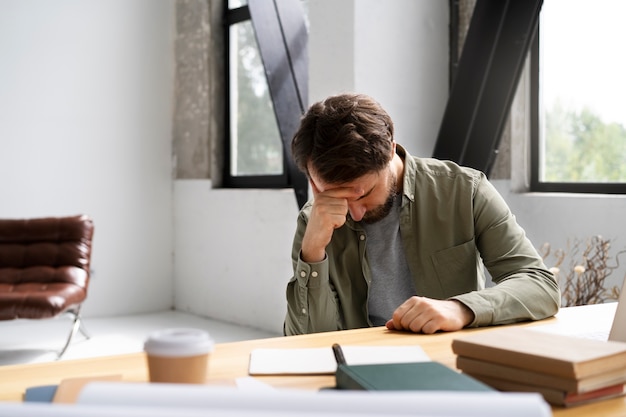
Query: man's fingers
(338, 192)
(417, 315)
(405, 314)
(325, 206)
(425, 315)
(430, 327)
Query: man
(391, 239)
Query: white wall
(396, 51)
(233, 252)
(85, 122)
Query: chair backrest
(44, 265)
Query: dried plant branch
(585, 280)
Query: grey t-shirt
(392, 283)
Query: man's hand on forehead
(330, 207)
(346, 192)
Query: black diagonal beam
(282, 36)
(497, 43)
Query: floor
(31, 341)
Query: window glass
(582, 118)
(255, 144)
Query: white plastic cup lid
(178, 342)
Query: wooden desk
(230, 360)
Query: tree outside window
(582, 134)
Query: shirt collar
(408, 182)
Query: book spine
(555, 396)
(476, 367)
(535, 363)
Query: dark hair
(343, 137)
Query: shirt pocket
(456, 268)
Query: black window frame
(535, 140)
(282, 45)
(233, 17)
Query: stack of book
(566, 370)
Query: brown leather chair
(44, 268)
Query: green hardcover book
(432, 376)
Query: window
(579, 123)
(254, 155)
(266, 89)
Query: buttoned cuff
(312, 275)
(483, 313)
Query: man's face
(378, 192)
(380, 212)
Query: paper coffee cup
(178, 355)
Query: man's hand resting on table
(427, 315)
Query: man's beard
(380, 212)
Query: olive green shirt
(452, 222)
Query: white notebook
(322, 360)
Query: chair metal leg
(82, 329)
(76, 325)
